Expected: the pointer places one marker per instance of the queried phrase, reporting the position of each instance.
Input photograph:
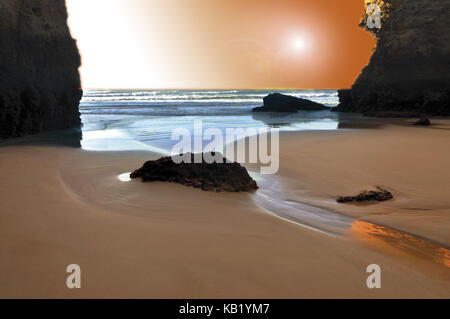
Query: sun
(299, 44)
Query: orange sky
(220, 43)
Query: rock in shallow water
(218, 176)
(285, 103)
(367, 196)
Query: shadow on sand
(68, 138)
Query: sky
(221, 44)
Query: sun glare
(191, 44)
(299, 44)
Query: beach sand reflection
(398, 243)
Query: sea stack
(40, 85)
(408, 74)
(277, 102)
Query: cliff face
(409, 72)
(39, 61)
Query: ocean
(119, 120)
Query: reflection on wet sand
(271, 197)
(302, 120)
(401, 243)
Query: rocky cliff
(409, 72)
(39, 61)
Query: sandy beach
(409, 161)
(61, 206)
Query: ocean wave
(182, 102)
(259, 97)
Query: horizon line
(209, 89)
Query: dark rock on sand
(366, 196)
(423, 122)
(39, 60)
(285, 103)
(218, 176)
(408, 73)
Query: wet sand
(63, 205)
(409, 161)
